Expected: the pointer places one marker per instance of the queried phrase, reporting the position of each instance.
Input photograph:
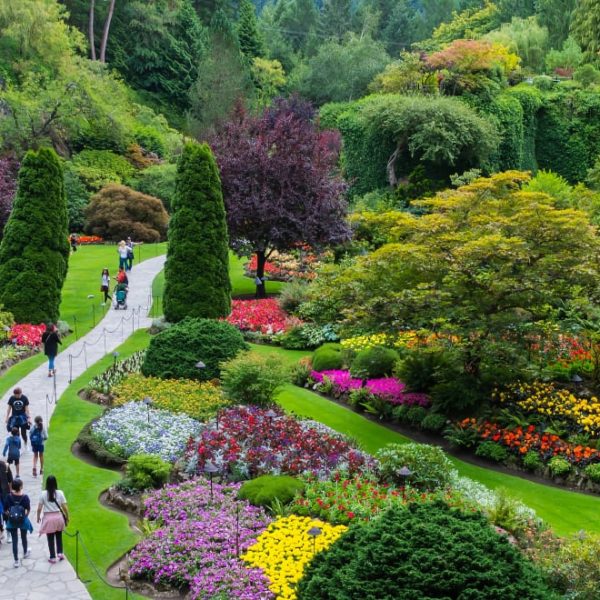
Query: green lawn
(105, 533)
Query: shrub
(253, 379)
(157, 181)
(98, 168)
(301, 371)
(34, 252)
(415, 415)
(532, 461)
(309, 336)
(197, 269)
(399, 413)
(88, 443)
(492, 451)
(327, 358)
(419, 369)
(6, 319)
(374, 362)
(592, 472)
(174, 353)
(117, 211)
(431, 468)
(425, 560)
(293, 295)
(456, 396)
(145, 471)
(198, 400)
(433, 422)
(360, 397)
(270, 491)
(559, 467)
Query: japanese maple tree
(280, 184)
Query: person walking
(123, 254)
(51, 339)
(12, 449)
(56, 517)
(130, 256)
(74, 241)
(5, 481)
(17, 511)
(38, 436)
(122, 277)
(17, 414)
(105, 285)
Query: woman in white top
(105, 285)
(56, 517)
(123, 254)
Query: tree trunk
(105, 31)
(91, 30)
(391, 168)
(261, 260)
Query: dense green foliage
(34, 251)
(270, 490)
(197, 268)
(374, 362)
(425, 560)
(146, 471)
(176, 352)
(327, 357)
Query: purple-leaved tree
(9, 169)
(280, 184)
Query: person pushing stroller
(121, 290)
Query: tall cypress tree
(249, 37)
(34, 252)
(197, 268)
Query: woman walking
(51, 339)
(56, 517)
(105, 285)
(17, 510)
(5, 481)
(123, 254)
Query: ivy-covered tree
(251, 43)
(8, 186)
(279, 184)
(34, 252)
(197, 268)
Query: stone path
(36, 578)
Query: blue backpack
(14, 447)
(36, 436)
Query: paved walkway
(36, 578)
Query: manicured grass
(105, 533)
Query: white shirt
(106, 280)
(51, 506)
(122, 251)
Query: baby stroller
(121, 296)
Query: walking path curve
(36, 578)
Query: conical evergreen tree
(249, 37)
(34, 253)
(197, 268)
(335, 19)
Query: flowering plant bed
(26, 334)
(390, 389)
(198, 538)
(260, 316)
(90, 239)
(200, 400)
(106, 381)
(135, 429)
(286, 547)
(249, 442)
(11, 355)
(300, 264)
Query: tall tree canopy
(251, 43)
(585, 26)
(34, 252)
(278, 181)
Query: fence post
(70, 370)
(77, 553)
(75, 327)
(104, 338)
(85, 354)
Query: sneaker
(41, 471)
(52, 561)
(61, 557)
(27, 554)
(16, 564)
(34, 472)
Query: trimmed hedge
(270, 490)
(327, 358)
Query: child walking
(13, 448)
(105, 285)
(38, 436)
(18, 507)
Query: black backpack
(16, 515)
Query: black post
(70, 370)
(77, 554)
(94, 315)
(75, 327)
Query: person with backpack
(5, 481)
(12, 447)
(56, 517)
(51, 340)
(17, 414)
(38, 436)
(17, 510)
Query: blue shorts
(37, 448)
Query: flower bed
(547, 400)
(403, 339)
(90, 239)
(105, 382)
(249, 443)
(198, 541)
(260, 316)
(287, 266)
(135, 429)
(285, 548)
(385, 388)
(200, 400)
(26, 334)
(521, 440)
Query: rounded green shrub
(431, 468)
(559, 467)
(145, 471)
(420, 367)
(532, 461)
(592, 472)
(175, 352)
(270, 490)
(492, 451)
(422, 551)
(253, 378)
(374, 362)
(416, 415)
(433, 422)
(327, 358)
